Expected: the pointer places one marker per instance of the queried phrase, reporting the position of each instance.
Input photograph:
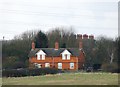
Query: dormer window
(40, 55)
(66, 55)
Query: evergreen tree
(41, 40)
(63, 45)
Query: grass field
(65, 79)
(0, 81)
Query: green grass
(65, 79)
(0, 81)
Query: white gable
(66, 55)
(41, 52)
(66, 52)
(40, 55)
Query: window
(38, 65)
(63, 57)
(41, 57)
(71, 65)
(38, 57)
(66, 57)
(47, 64)
(59, 65)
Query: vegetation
(65, 79)
(28, 72)
(41, 40)
(98, 51)
(15, 52)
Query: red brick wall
(81, 60)
(54, 62)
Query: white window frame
(68, 56)
(43, 57)
(47, 64)
(63, 57)
(72, 65)
(38, 57)
(37, 65)
(59, 65)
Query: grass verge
(65, 79)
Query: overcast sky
(97, 17)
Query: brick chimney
(85, 36)
(56, 45)
(91, 37)
(80, 36)
(33, 45)
(80, 45)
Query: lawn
(65, 79)
(0, 81)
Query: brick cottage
(60, 58)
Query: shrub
(18, 65)
(28, 72)
(107, 67)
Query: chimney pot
(85, 36)
(91, 37)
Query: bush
(28, 72)
(18, 65)
(96, 67)
(14, 73)
(107, 67)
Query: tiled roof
(53, 52)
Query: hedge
(113, 67)
(28, 72)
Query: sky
(96, 17)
